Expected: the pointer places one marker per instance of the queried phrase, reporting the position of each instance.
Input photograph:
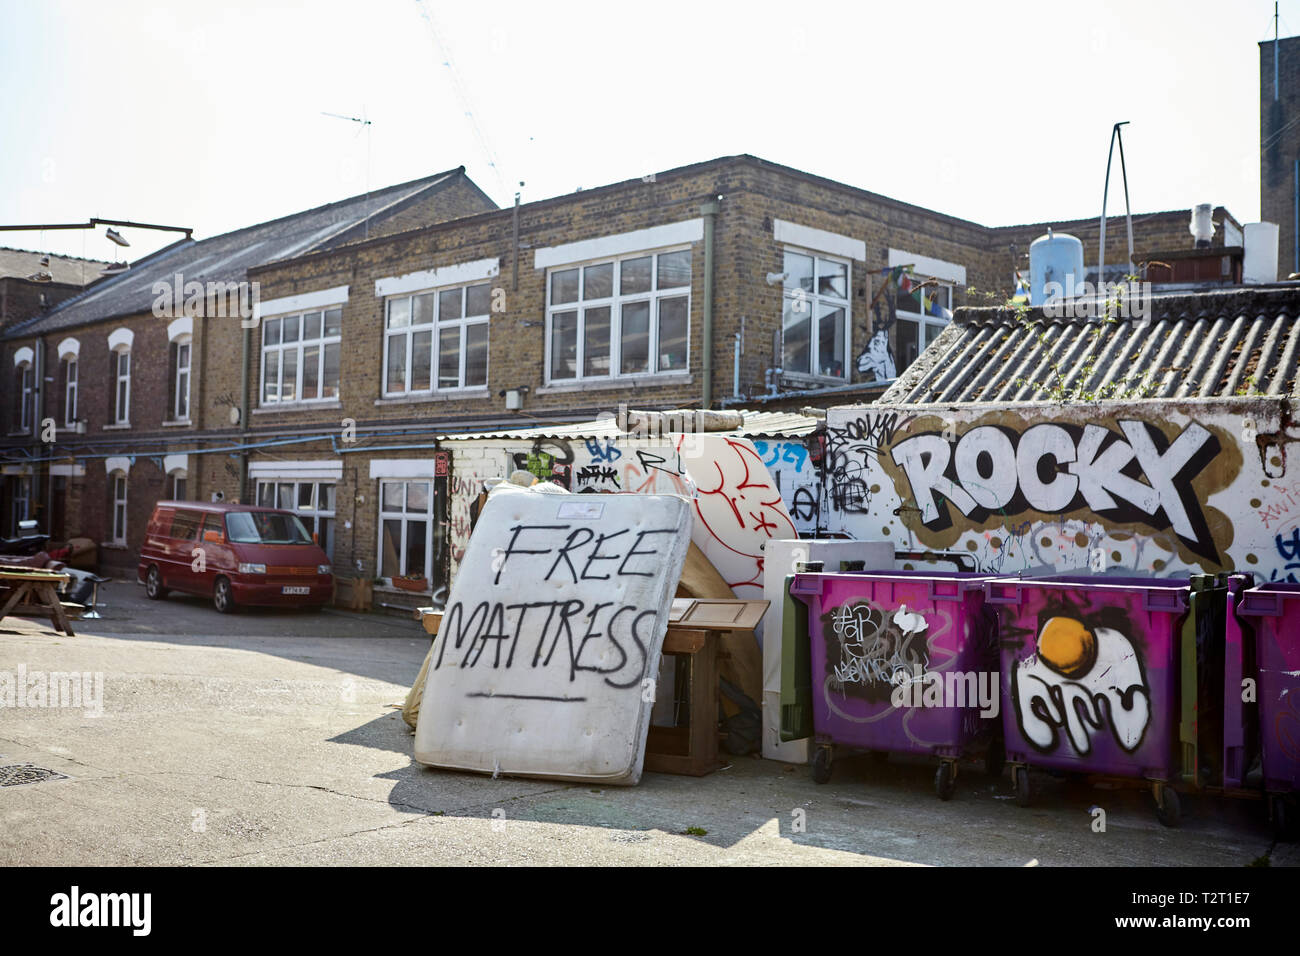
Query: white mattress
(545, 661)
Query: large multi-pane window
(121, 361)
(628, 316)
(118, 505)
(26, 401)
(437, 340)
(922, 312)
(312, 501)
(815, 316)
(300, 357)
(70, 392)
(406, 517)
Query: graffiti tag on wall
(874, 650)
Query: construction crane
(445, 52)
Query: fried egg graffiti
(1081, 681)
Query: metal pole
(1105, 192)
(1128, 210)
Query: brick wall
(21, 299)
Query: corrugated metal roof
(1243, 342)
(756, 425)
(224, 258)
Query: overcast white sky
(209, 114)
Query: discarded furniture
(35, 592)
(431, 618)
(695, 629)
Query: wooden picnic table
(34, 589)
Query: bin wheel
(995, 759)
(821, 765)
(1022, 786)
(945, 780)
(1169, 810)
(1286, 818)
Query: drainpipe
(709, 211)
(243, 409)
(38, 415)
(514, 241)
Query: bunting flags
(1021, 295)
(927, 303)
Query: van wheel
(223, 598)
(153, 586)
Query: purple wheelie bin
(1090, 675)
(1272, 611)
(902, 662)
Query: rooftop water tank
(1054, 258)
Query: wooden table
(37, 590)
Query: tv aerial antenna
(363, 125)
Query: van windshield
(265, 527)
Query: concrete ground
(272, 738)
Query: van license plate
(290, 590)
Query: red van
(238, 554)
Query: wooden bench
(34, 592)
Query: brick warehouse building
(554, 311)
(128, 392)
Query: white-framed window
(312, 501)
(21, 490)
(816, 317)
(455, 320)
(121, 360)
(406, 527)
(26, 380)
(179, 362)
(923, 310)
(619, 317)
(177, 485)
(70, 391)
(300, 357)
(117, 482)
